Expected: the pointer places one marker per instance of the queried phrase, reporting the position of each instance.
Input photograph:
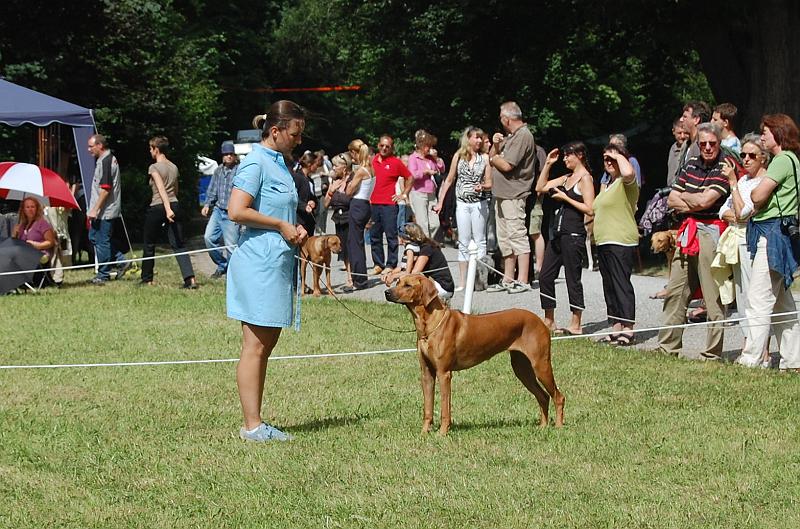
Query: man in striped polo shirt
(696, 196)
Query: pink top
(35, 232)
(418, 164)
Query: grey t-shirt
(106, 176)
(518, 150)
(169, 174)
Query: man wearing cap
(220, 227)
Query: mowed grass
(649, 441)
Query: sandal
(563, 331)
(624, 339)
(608, 339)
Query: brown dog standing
(449, 340)
(665, 242)
(317, 250)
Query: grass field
(649, 441)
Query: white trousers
(471, 219)
(741, 281)
(766, 296)
(427, 219)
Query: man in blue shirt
(220, 228)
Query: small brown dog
(449, 340)
(665, 242)
(317, 250)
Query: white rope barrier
(379, 352)
(121, 261)
(214, 361)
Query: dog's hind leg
(524, 371)
(544, 373)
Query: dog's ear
(428, 291)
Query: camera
(664, 191)
(790, 228)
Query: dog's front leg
(317, 273)
(328, 278)
(445, 378)
(428, 381)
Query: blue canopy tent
(20, 105)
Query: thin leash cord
(348, 309)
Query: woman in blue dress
(261, 273)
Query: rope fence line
(364, 353)
(373, 353)
(211, 361)
(121, 261)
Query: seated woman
(422, 256)
(34, 229)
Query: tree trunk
(750, 53)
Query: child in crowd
(422, 256)
(724, 116)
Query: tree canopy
(198, 70)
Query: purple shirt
(35, 232)
(418, 165)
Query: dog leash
(348, 309)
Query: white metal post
(472, 250)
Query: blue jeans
(402, 215)
(100, 233)
(220, 229)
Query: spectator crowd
(728, 205)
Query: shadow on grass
(496, 424)
(329, 423)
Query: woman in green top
(617, 237)
(770, 242)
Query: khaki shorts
(535, 225)
(512, 237)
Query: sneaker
(458, 289)
(263, 434)
(377, 270)
(97, 281)
(499, 287)
(123, 269)
(518, 288)
(743, 361)
(217, 274)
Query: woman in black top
(423, 256)
(574, 193)
(307, 201)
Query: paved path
(648, 311)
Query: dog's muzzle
(390, 295)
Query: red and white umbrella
(20, 180)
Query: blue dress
(262, 271)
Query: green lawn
(649, 441)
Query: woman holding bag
(338, 201)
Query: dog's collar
(436, 328)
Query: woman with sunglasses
(736, 211)
(574, 193)
(772, 240)
(617, 237)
